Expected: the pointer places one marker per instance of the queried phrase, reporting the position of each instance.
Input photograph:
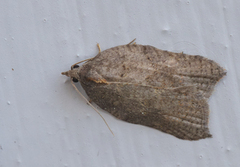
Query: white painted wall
(44, 122)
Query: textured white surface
(44, 122)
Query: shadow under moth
(144, 85)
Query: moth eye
(74, 80)
(76, 66)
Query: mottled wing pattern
(172, 111)
(160, 89)
(171, 70)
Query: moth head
(73, 73)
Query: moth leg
(99, 49)
(132, 42)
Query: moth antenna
(81, 62)
(91, 105)
(132, 42)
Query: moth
(144, 85)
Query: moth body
(144, 85)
